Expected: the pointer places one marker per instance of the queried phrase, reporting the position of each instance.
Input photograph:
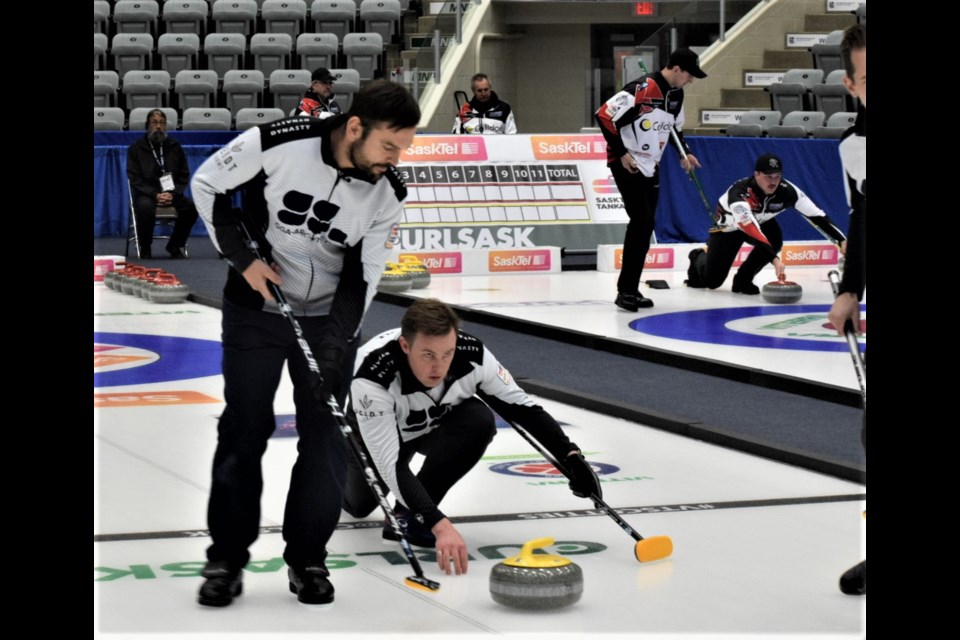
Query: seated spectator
(318, 100)
(158, 172)
(485, 113)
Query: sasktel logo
(809, 254)
(441, 148)
(657, 258)
(605, 185)
(451, 262)
(532, 260)
(569, 147)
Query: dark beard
(157, 136)
(366, 168)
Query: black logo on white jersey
(420, 420)
(298, 210)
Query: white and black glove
(583, 480)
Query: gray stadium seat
(185, 16)
(363, 51)
(287, 87)
(248, 118)
(100, 45)
(797, 124)
(234, 16)
(381, 16)
(101, 16)
(271, 51)
(146, 88)
(136, 16)
(754, 124)
(836, 125)
(333, 16)
(793, 93)
(106, 84)
(243, 88)
(316, 50)
(826, 55)
(347, 83)
(178, 51)
(108, 119)
(284, 16)
(224, 51)
(137, 120)
(196, 88)
(861, 13)
(197, 118)
(131, 51)
(832, 96)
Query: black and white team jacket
(392, 407)
(853, 155)
(325, 227)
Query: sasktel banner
(516, 191)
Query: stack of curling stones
(149, 283)
(409, 273)
(782, 292)
(536, 581)
(417, 270)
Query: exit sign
(644, 9)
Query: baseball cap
(769, 163)
(688, 61)
(322, 75)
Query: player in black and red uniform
(747, 211)
(636, 123)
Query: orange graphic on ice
(109, 361)
(445, 148)
(154, 398)
(572, 147)
(531, 260)
(112, 356)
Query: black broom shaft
(345, 428)
(852, 344)
(693, 176)
(597, 500)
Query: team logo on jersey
(298, 210)
(543, 469)
(428, 419)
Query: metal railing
(427, 65)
